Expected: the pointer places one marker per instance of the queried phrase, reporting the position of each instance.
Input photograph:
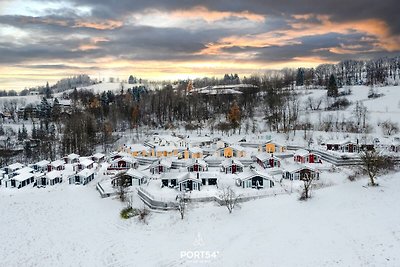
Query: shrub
(128, 212)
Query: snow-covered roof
(42, 163)
(301, 152)
(23, 176)
(238, 147)
(250, 173)
(57, 163)
(128, 159)
(165, 148)
(53, 175)
(85, 173)
(73, 156)
(196, 149)
(164, 162)
(98, 155)
(86, 161)
(229, 162)
(197, 161)
(137, 147)
(25, 170)
(265, 156)
(168, 138)
(15, 166)
(298, 167)
(340, 142)
(135, 174)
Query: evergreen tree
(300, 77)
(47, 91)
(332, 87)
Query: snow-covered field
(343, 225)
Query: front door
(233, 168)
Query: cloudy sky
(44, 40)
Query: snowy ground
(343, 225)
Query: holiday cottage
(85, 163)
(98, 157)
(57, 165)
(160, 166)
(124, 163)
(83, 177)
(267, 160)
(21, 180)
(345, 146)
(50, 178)
(197, 165)
(272, 147)
(300, 172)
(231, 166)
(193, 153)
(136, 150)
(10, 169)
(304, 156)
(254, 179)
(41, 166)
(231, 151)
(186, 181)
(129, 178)
(72, 158)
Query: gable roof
(249, 174)
(135, 174)
(196, 161)
(231, 161)
(23, 176)
(53, 175)
(301, 152)
(42, 163)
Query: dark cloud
(340, 10)
(61, 33)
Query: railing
(161, 204)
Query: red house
(304, 156)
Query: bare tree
(121, 183)
(307, 185)
(182, 204)
(143, 213)
(229, 198)
(373, 164)
(389, 127)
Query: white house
(72, 158)
(98, 157)
(85, 163)
(131, 177)
(124, 163)
(12, 168)
(184, 181)
(50, 178)
(254, 179)
(57, 165)
(161, 165)
(300, 172)
(22, 180)
(197, 165)
(231, 166)
(41, 166)
(83, 177)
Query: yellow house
(165, 151)
(193, 153)
(273, 148)
(135, 150)
(231, 151)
